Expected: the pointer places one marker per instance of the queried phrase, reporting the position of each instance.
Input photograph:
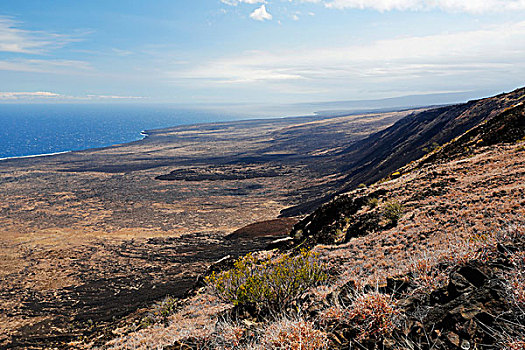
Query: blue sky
(257, 51)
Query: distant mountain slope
(382, 153)
(508, 126)
(324, 223)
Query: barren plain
(88, 238)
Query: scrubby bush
(161, 311)
(426, 274)
(515, 345)
(516, 279)
(270, 284)
(227, 336)
(372, 202)
(434, 146)
(392, 212)
(373, 315)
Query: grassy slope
(450, 273)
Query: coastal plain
(89, 238)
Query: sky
(257, 51)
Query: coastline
(35, 155)
(109, 209)
(143, 133)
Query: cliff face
(382, 153)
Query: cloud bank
(237, 2)
(27, 95)
(470, 6)
(462, 60)
(46, 95)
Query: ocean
(35, 129)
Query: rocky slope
(380, 154)
(430, 258)
(70, 281)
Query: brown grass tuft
(289, 334)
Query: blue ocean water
(34, 129)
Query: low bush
(515, 345)
(516, 279)
(373, 202)
(269, 284)
(426, 274)
(392, 212)
(160, 312)
(227, 336)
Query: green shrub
(434, 146)
(269, 284)
(372, 202)
(161, 311)
(392, 212)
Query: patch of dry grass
(287, 334)
(452, 213)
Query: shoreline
(35, 155)
(143, 133)
(109, 211)
(147, 133)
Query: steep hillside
(382, 153)
(323, 225)
(431, 259)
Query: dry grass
(227, 336)
(195, 322)
(515, 345)
(453, 213)
(516, 280)
(287, 334)
(370, 315)
(426, 274)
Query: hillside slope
(382, 153)
(432, 259)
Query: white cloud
(27, 95)
(237, 2)
(462, 60)
(46, 95)
(16, 40)
(113, 97)
(53, 66)
(471, 6)
(261, 14)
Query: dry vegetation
(89, 237)
(432, 257)
(462, 217)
